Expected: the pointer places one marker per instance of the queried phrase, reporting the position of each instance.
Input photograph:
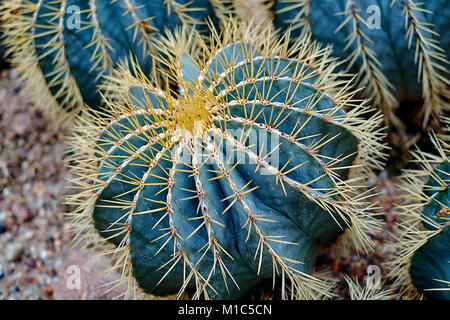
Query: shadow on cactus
(62, 49)
(422, 263)
(238, 178)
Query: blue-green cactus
(241, 177)
(438, 192)
(381, 40)
(67, 47)
(422, 264)
(430, 267)
(430, 264)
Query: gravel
(34, 248)
(13, 251)
(31, 180)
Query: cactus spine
(422, 258)
(63, 49)
(184, 215)
(359, 292)
(380, 41)
(63, 60)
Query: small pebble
(28, 235)
(26, 215)
(14, 251)
(43, 254)
(30, 262)
(48, 290)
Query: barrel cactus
(63, 49)
(238, 177)
(422, 261)
(379, 40)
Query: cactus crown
(237, 176)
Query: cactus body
(430, 264)
(430, 267)
(422, 262)
(439, 194)
(241, 177)
(67, 47)
(381, 41)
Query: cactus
(382, 54)
(238, 177)
(430, 269)
(422, 262)
(63, 49)
(3, 62)
(59, 62)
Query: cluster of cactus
(378, 40)
(65, 58)
(381, 41)
(238, 177)
(217, 154)
(422, 258)
(63, 49)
